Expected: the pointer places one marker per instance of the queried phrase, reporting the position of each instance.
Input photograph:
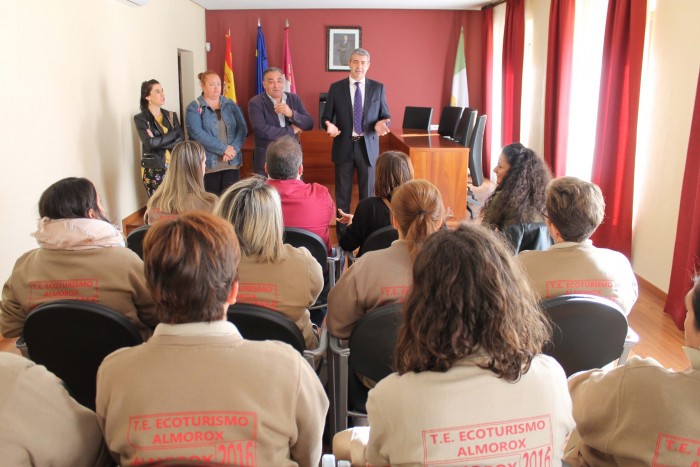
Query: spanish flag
(229, 85)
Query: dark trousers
(259, 162)
(344, 174)
(218, 182)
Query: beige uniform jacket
(580, 268)
(200, 391)
(639, 414)
(288, 286)
(468, 416)
(377, 278)
(41, 424)
(112, 277)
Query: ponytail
(418, 210)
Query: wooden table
(441, 161)
(434, 158)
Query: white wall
(663, 132)
(69, 86)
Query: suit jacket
(266, 124)
(339, 106)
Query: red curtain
(686, 253)
(513, 49)
(487, 60)
(616, 133)
(558, 85)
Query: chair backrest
(449, 119)
(300, 237)
(71, 338)
(134, 241)
(259, 323)
(530, 236)
(471, 125)
(476, 146)
(589, 331)
(417, 118)
(379, 239)
(462, 131)
(373, 340)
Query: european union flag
(261, 58)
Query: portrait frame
(338, 49)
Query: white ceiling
(333, 4)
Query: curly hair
(470, 295)
(522, 189)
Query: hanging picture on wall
(341, 40)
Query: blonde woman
(384, 276)
(271, 273)
(183, 188)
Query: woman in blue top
(217, 123)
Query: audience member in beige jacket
(41, 423)
(382, 277)
(471, 387)
(575, 209)
(182, 190)
(271, 274)
(640, 413)
(81, 256)
(197, 390)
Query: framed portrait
(341, 41)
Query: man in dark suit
(361, 115)
(273, 114)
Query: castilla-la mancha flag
(229, 85)
(290, 84)
(460, 91)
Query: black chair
(259, 323)
(377, 240)
(71, 338)
(449, 119)
(465, 126)
(476, 147)
(417, 118)
(300, 237)
(370, 352)
(134, 241)
(589, 331)
(531, 236)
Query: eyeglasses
(544, 213)
(218, 113)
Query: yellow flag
(229, 85)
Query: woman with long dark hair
(393, 169)
(159, 130)
(521, 179)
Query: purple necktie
(357, 110)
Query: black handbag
(151, 161)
